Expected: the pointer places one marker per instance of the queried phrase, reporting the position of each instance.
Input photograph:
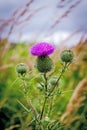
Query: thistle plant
(21, 69)
(48, 85)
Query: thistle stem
(25, 86)
(63, 70)
(42, 111)
(50, 106)
(45, 100)
(45, 81)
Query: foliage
(15, 113)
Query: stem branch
(45, 81)
(63, 70)
(43, 108)
(42, 111)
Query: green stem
(45, 81)
(25, 86)
(35, 114)
(50, 106)
(63, 70)
(34, 111)
(42, 111)
(45, 100)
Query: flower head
(21, 68)
(44, 64)
(42, 49)
(67, 56)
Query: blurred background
(23, 23)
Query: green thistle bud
(67, 56)
(44, 64)
(53, 80)
(21, 68)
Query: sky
(43, 20)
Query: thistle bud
(67, 56)
(44, 64)
(53, 80)
(21, 68)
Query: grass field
(15, 113)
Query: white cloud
(57, 38)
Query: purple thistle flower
(42, 49)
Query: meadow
(69, 108)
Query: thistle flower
(42, 49)
(67, 56)
(21, 68)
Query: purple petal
(42, 49)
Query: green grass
(12, 112)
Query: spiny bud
(44, 64)
(67, 56)
(21, 68)
(53, 80)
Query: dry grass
(75, 102)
